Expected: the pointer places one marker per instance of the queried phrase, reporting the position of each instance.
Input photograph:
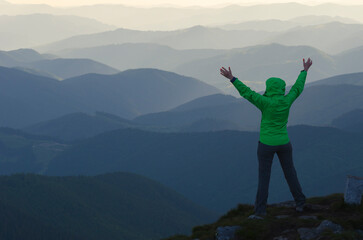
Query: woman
(275, 107)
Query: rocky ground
(326, 218)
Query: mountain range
(319, 104)
(253, 64)
(116, 123)
(206, 167)
(140, 55)
(283, 25)
(205, 150)
(26, 99)
(51, 66)
(221, 112)
(25, 31)
(355, 79)
(351, 121)
(23, 152)
(216, 169)
(173, 17)
(79, 125)
(189, 38)
(332, 37)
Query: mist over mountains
(25, 31)
(350, 121)
(116, 123)
(327, 37)
(79, 125)
(170, 18)
(252, 64)
(283, 25)
(155, 100)
(223, 112)
(27, 99)
(189, 38)
(51, 66)
(312, 108)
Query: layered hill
(172, 17)
(351, 58)
(252, 64)
(51, 66)
(351, 121)
(220, 112)
(331, 37)
(68, 68)
(350, 79)
(187, 38)
(283, 25)
(25, 31)
(24, 152)
(139, 55)
(139, 90)
(76, 126)
(27, 99)
(319, 104)
(24, 55)
(111, 206)
(217, 169)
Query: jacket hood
(274, 86)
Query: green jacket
(274, 105)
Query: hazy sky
(176, 2)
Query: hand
(307, 64)
(227, 73)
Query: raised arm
(253, 97)
(298, 87)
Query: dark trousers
(265, 154)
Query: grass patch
(331, 207)
(346, 235)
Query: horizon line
(192, 5)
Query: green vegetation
(330, 207)
(111, 206)
(195, 163)
(22, 152)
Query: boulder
(312, 233)
(353, 190)
(307, 233)
(226, 232)
(326, 224)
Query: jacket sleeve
(298, 87)
(253, 97)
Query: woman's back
(274, 120)
(274, 105)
